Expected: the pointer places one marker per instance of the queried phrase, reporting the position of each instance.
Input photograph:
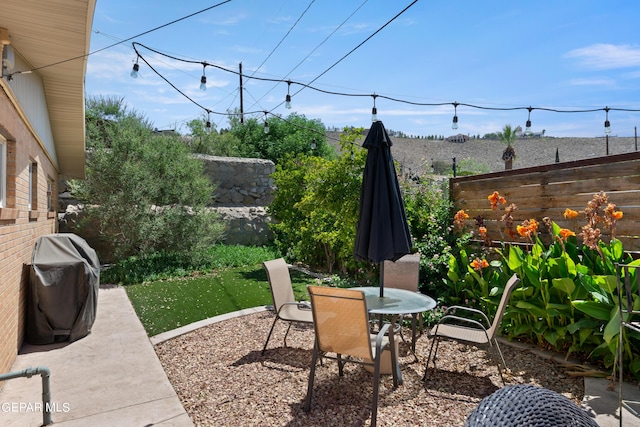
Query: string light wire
(137, 45)
(123, 41)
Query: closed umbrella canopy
(382, 232)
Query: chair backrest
(628, 283)
(403, 273)
(279, 282)
(341, 321)
(509, 287)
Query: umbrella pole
(381, 279)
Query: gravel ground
(222, 380)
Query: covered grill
(63, 289)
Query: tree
(209, 141)
(292, 135)
(508, 136)
(316, 205)
(143, 193)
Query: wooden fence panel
(546, 191)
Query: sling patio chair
(285, 305)
(404, 273)
(341, 323)
(462, 327)
(628, 287)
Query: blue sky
(561, 55)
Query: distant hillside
(416, 155)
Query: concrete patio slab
(111, 377)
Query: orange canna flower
(483, 232)
(617, 215)
(478, 264)
(522, 230)
(459, 218)
(565, 233)
(528, 228)
(496, 198)
(570, 213)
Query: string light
(136, 68)
(607, 125)
(208, 124)
(527, 129)
(454, 125)
(203, 79)
(374, 110)
(266, 123)
(287, 102)
(313, 144)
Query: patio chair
(341, 322)
(285, 305)
(462, 327)
(628, 287)
(404, 273)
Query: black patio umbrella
(382, 232)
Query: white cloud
(592, 82)
(603, 56)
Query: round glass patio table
(395, 303)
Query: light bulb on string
(134, 71)
(208, 123)
(287, 102)
(607, 124)
(374, 110)
(313, 144)
(454, 124)
(266, 123)
(527, 129)
(203, 79)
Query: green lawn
(168, 304)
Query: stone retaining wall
(244, 188)
(239, 181)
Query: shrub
(316, 206)
(143, 193)
(567, 299)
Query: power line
(284, 37)
(317, 47)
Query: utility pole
(241, 102)
(635, 131)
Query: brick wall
(19, 227)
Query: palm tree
(508, 136)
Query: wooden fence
(546, 191)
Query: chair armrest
(300, 305)
(467, 310)
(445, 319)
(383, 331)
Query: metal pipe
(46, 389)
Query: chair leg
(394, 362)
(426, 369)
(312, 372)
(287, 333)
(376, 390)
(497, 347)
(269, 336)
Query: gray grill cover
(63, 289)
